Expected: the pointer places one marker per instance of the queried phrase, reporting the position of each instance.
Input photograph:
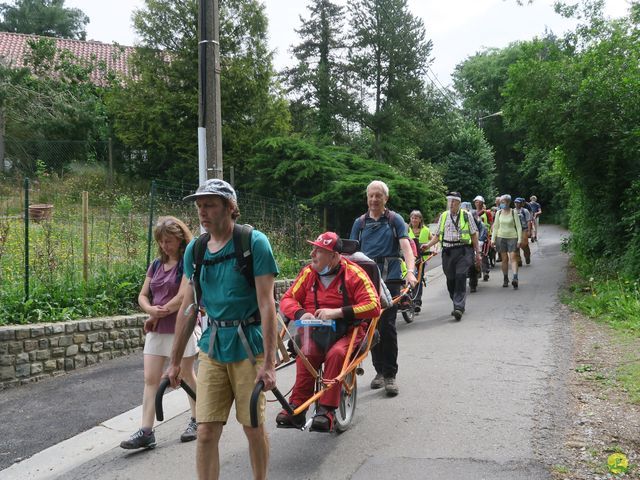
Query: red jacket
(362, 294)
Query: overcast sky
(458, 28)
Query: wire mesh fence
(50, 241)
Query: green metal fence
(42, 229)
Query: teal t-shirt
(226, 295)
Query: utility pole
(209, 117)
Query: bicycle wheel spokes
(347, 407)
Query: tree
(48, 18)
(318, 78)
(583, 105)
(50, 99)
(389, 56)
(155, 111)
(469, 168)
(480, 81)
(335, 179)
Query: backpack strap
(154, 266)
(244, 256)
(199, 249)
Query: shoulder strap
(361, 220)
(390, 219)
(244, 257)
(154, 266)
(199, 249)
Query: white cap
(479, 197)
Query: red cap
(326, 240)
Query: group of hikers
(222, 285)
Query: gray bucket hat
(214, 186)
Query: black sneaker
(505, 283)
(473, 289)
(515, 283)
(139, 440)
(527, 261)
(485, 278)
(457, 314)
(191, 432)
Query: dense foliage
(48, 18)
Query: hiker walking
(160, 298)
(457, 233)
(232, 270)
(383, 237)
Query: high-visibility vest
(465, 233)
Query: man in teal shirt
(228, 369)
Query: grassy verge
(615, 302)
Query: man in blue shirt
(383, 237)
(238, 348)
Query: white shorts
(160, 344)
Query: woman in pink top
(159, 298)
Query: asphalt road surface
(479, 399)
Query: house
(116, 57)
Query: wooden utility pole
(209, 117)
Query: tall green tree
(318, 78)
(581, 101)
(479, 81)
(49, 18)
(389, 55)
(469, 167)
(155, 111)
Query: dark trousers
(385, 354)
(456, 263)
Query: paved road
(480, 399)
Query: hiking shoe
(485, 278)
(139, 440)
(417, 309)
(505, 283)
(473, 289)
(515, 283)
(284, 420)
(323, 420)
(391, 387)
(377, 382)
(527, 261)
(457, 314)
(191, 433)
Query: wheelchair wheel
(347, 407)
(409, 313)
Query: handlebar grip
(255, 398)
(160, 393)
(253, 405)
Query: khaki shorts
(219, 384)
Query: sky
(457, 28)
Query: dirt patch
(602, 420)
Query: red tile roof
(116, 57)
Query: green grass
(615, 302)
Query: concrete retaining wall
(30, 353)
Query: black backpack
(242, 253)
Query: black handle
(255, 397)
(160, 393)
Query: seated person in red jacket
(331, 287)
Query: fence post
(150, 231)
(26, 238)
(85, 236)
(110, 146)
